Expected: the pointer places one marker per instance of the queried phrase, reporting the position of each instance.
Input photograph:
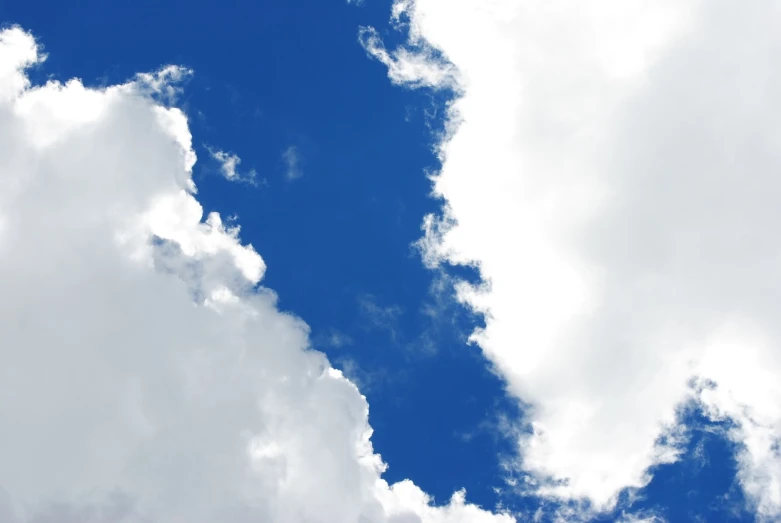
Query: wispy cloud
(334, 338)
(418, 65)
(381, 317)
(229, 167)
(366, 380)
(293, 163)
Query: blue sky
(279, 80)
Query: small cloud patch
(293, 163)
(229, 167)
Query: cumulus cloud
(611, 169)
(145, 374)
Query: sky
(411, 261)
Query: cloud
(229, 164)
(339, 339)
(611, 169)
(368, 381)
(632, 518)
(164, 84)
(293, 163)
(417, 66)
(145, 374)
(381, 317)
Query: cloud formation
(293, 163)
(416, 65)
(229, 167)
(611, 168)
(145, 376)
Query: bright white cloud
(144, 375)
(611, 167)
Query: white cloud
(293, 163)
(417, 66)
(611, 167)
(641, 519)
(164, 84)
(144, 375)
(229, 167)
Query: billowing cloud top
(612, 169)
(144, 375)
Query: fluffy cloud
(145, 375)
(611, 168)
